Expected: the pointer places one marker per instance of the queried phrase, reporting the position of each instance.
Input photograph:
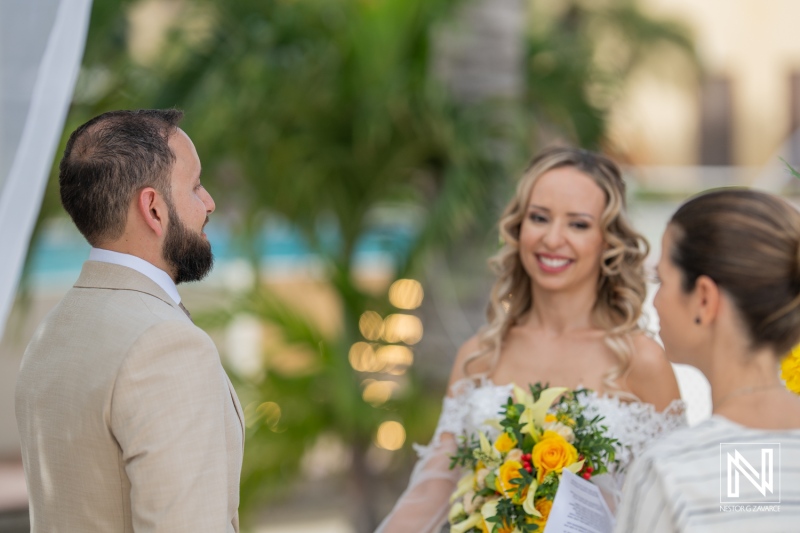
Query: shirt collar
(159, 277)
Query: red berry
(529, 468)
(580, 457)
(586, 475)
(589, 469)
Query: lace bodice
(634, 424)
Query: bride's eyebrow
(575, 214)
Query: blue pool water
(57, 257)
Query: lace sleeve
(424, 504)
(453, 420)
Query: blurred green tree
(327, 114)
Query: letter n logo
(748, 472)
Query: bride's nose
(554, 236)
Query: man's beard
(188, 253)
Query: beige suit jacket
(127, 420)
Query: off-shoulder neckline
(465, 385)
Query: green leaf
(791, 169)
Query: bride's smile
(560, 239)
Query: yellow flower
(790, 370)
(543, 505)
(551, 454)
(474, 520)
(504, 443)
(487, 528)
(508, 471)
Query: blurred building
(736, 116)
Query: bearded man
(127, 420)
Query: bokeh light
(363, 358)
(391, 435)
(371, 325)
(395, 355)
(406, 294)
(270, 413)
(378, 392)
(402, 328)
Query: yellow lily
(486, 447)
(456, 511)
(472, 521)
(575, 467)
(535, 412)
(527, 505)
(488, 454)
(488, 511)
(466, 483)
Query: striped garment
(682, 482)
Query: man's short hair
(108, 160)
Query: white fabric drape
(41, 46)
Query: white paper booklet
(578, 507)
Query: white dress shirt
(159, 277)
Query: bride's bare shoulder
(650, 376)
(467, 350)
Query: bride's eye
(537, 218)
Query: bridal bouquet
(510, 484)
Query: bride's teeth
(553, 263)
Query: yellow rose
(790, 370)
(551, 454)
(508, 471)
(504, 443)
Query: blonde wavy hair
(621, 287)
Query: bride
(564, 310)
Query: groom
(127, 419)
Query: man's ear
(707, 295)
(152, 209)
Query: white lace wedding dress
(424, 505)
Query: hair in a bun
(748, 242)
